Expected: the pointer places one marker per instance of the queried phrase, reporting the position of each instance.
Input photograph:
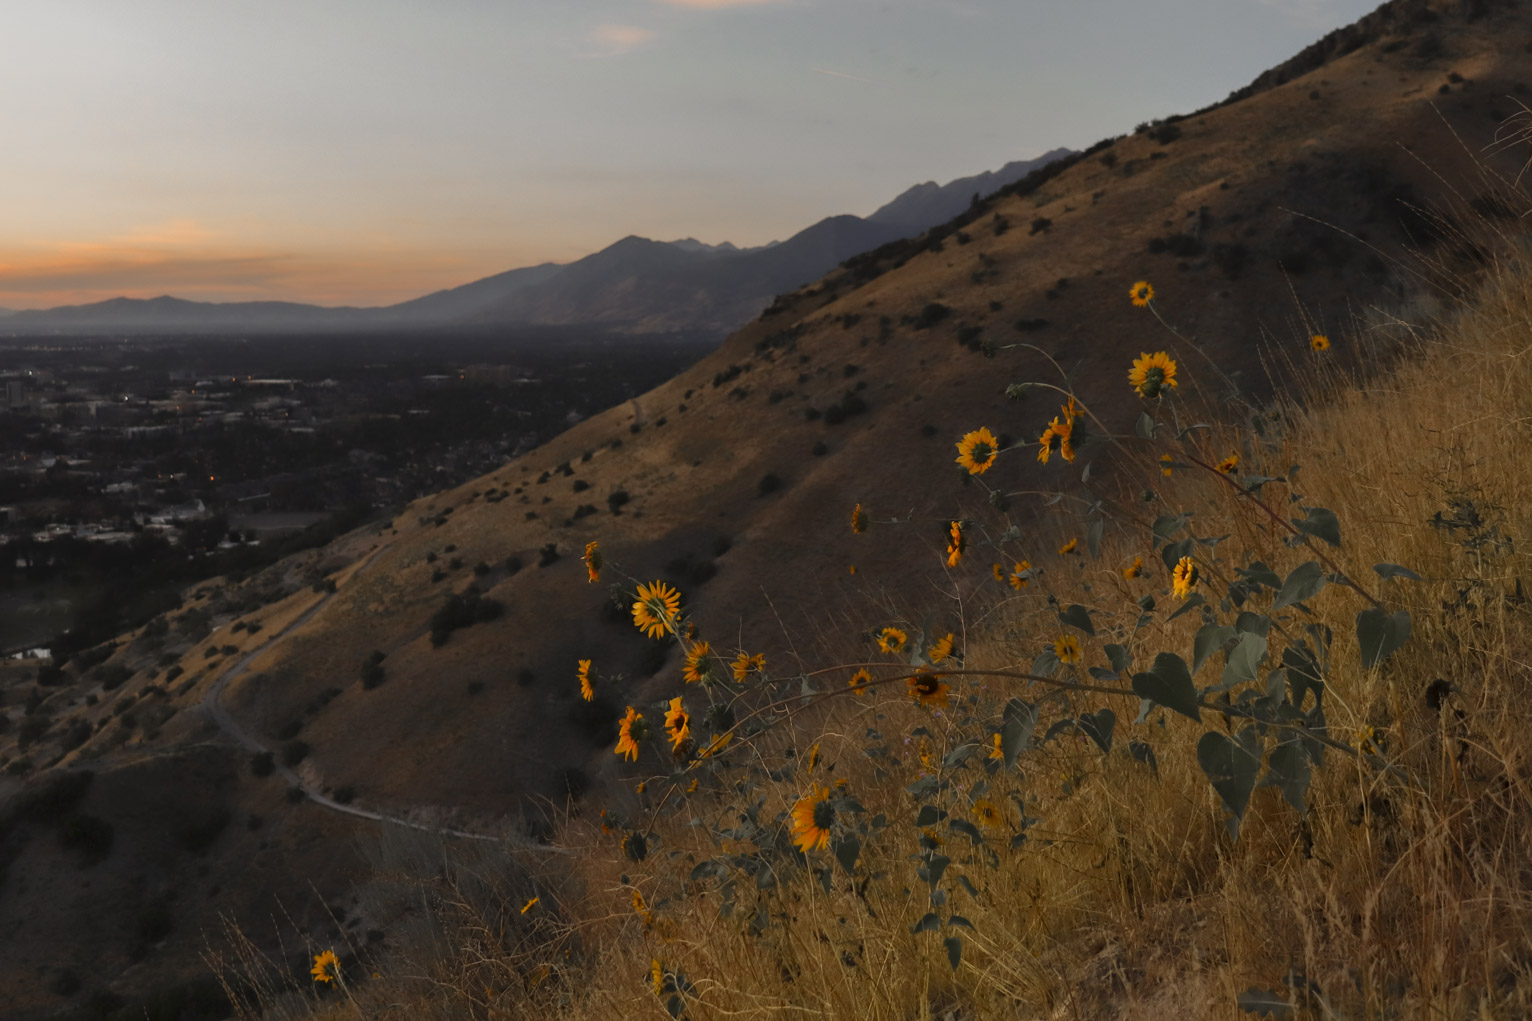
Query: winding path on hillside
(212, 704)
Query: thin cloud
(842, 74)
(611, 40)
(716, 5)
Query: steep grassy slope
(1259, 222)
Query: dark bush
(1030, 325)
(933, 313)
(197, 837)
(513, 564)
(1166, 133)
(460, 611)
(295, 794)
(174, 672)
(50, 676)
(75, 736)
(549, 554)
(769, 484)
(575, 781)
(820, 450)
(289, 730)
(55, 796)
(114, 676)
(617, 500)
(1040, 224)
(294, 752)
(480, 569)
(88, 834)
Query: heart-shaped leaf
(1168, 684)
(1381, 634)
(1303, 584)
(1098, 726)
(1210, 638)
(1231, 767)
(1078, 616)
(1321, 523)
(1244, 660)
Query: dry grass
(1401, 892)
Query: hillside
(1293, 210)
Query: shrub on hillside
(462, 610)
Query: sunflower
(586, 691)
(942, 649)
(745, 663)
(1167, 464)
(1057, 437)
(326, 967)
(1134, 570)
(957, 542)
(699, 665)
(927, 688)
(593, 560)
(1152, 373)
(717, 745)
(1319, 342)
(630, 730)
(655, 609)
(858, 520)
(1141, 294)
(977, 451)
(1067, 649)
(691, 788)
(891, 639)
(859, 681)
(641, 907)
(996, 752)
(657, 976)
(812, 818)
(1228, 464)
(1020, 575)
(678, 726)
(998, 571)
(1069, 547)
(529, 905)
(1184, 578)
(634, 846)
(986, 814)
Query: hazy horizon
(348, 153)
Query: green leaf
(1253, 483)
(847, 849)
(959, 920)
(1303, 584)
(1231, 767)
(935, 868)
(1098, 726)
(1141, 751)
(929, 922)
(968, 830)
(1259, 574)
(1169, 684)
(1118, 656)
(1287, 767)
(1381, 634)
(1046, 663)
(1016, 732)
(1093, 532)
(1395, 571)
(1255, 623)
(1265, 1002)
(1192, 602)
(1210, 638)
(1303, 675)
(930, 815)
(1244, 660)
(954, 951)
(1144, 426)
(1174, 551)
(1320, 523)
(1167, 525)
(1078, 616)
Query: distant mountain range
(635, 284)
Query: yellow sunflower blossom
(957, 542)
(699, 664)
(996, 752)
(858, 520)
(1167, 464)
(745, 664)
(1184, 578)
(587, 692)
(678, 726)
(1067, 649)
(1319, 342)
(1057, 437)
(977, 451)
(812, 818)
(891, 639)
(1141, 294)
(655, 609)
(593, 560)
(998, 570)
(1228, 464)
(630, 730)
(986, 814)
(1069, 547)
(942, 649)
(1134, 570)
(717, 745)
(691, 788)
(859, 682)
(1020, 575)
(927, 688)
(326, 967)
(1152, 373)
(657, 976)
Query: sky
(363, 152)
